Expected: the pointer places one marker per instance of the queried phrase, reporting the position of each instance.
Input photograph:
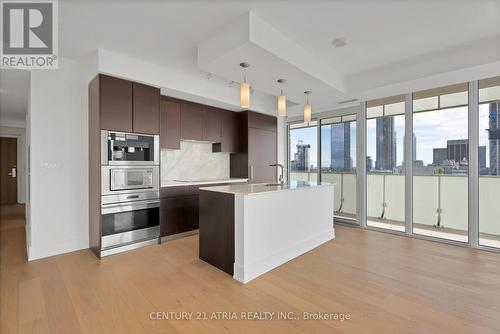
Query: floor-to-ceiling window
(440, 162)
(338, 162)
(385, 183)
(489, 162)
(303, 151)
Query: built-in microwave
(121, 148)
(129, 179)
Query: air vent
(347, 101)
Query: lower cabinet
(179, 209)
(178, 214)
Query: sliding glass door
(303, 151)
(489, 162)
(338, 162)
(440, 162)
(385, 179)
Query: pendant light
(245, 88)
(307, 108)
(281, 99)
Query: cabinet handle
(132, 196)
(251, 172)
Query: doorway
(8, 171)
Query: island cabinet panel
(146, 109)
(216, 239)
(192, 121)
(115, 104)
(212, 125)
(170, 124)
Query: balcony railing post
(473, 169)
(361, 175)
(408, 162)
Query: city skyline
(432, 130)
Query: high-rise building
(457, 150)
(482, 157)
(341, 146)
(414, 144)
(301, 157)
(386, 144)
(494, 138)
(369, 163)
(439, 155)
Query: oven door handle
(125, 207)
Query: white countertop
(248, 189)
(176, 183)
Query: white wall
(58, 138)
(20, 134)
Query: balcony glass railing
(440, 203)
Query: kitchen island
(247, 230)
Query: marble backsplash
(194, 161)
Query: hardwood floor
(387, 283)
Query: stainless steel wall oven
(130, 185)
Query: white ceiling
(14, 91)
(388, 41)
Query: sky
(432, 129)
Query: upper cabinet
(115, 103)
(229, 142)
(183, 120)
(146, 109)
(128, 106)
(170, 124)
(191, 121)
(261, 121)
(257, 148)
(212, 124)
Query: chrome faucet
(281, 179)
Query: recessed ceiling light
(339, 42)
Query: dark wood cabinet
(115, 103)
(192, 121)
(216, 239)
(257, 148)
(146, 109)
(198, 122)
(170, 124)
(229, 137)
(212, 124)
(261, 121)
(261, 153)
(178, 215)
(179, 208)
(128, 106)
